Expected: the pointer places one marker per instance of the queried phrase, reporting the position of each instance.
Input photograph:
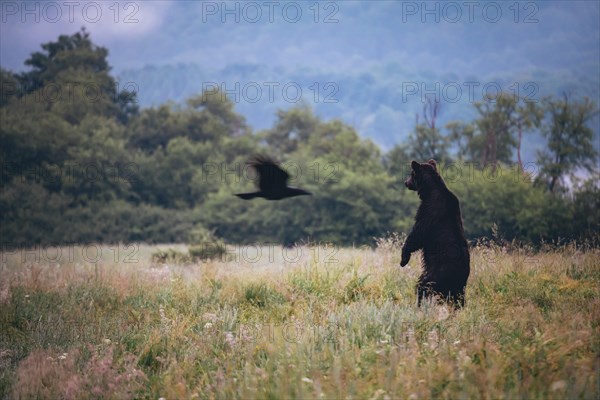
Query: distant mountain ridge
(367, 55)
(381, 103)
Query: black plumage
(272, 181)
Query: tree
(102, 169)
(72, 76)
(69, 52)
(207, 117)
(9, 86)
(352, 200)
(154, 127)
(495, 140)
(292, 127)
(497, 133)
(528, 116)
(569, 137)
(397, 162)
(218, 116)
(426, 142)
(518, 209)
(586, 207)
(60, 142)
(461, 135)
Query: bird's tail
(247, 196)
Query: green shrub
(354, 289)
(261, 295)
(209, 250)
(170, 256)
(205, 245)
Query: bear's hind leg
(425, 291)
(456, 297)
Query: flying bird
(272, 181)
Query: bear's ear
(415, 165)
(432, 163)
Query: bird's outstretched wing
(247, 196)
(271, 175)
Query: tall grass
(312, 322)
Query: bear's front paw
(405, 259)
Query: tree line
(81, 163)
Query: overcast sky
(455, 37)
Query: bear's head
(421, 175)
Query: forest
(82, 163)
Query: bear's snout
(410, 184)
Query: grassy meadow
(305, 322)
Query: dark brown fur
(438, 230)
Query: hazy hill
(368, 49)
(381, 102)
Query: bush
(208, 250)
(170, 256)
(206, 245)
(260, 295)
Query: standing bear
(438, 230)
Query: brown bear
(438, 230)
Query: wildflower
(209, 316)
(262, 373)
(432, 339)
(387, 339)
(163, 316)
(442, 313)
(4, 294)
(377, 394)
(249, 333)
(230, 339)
